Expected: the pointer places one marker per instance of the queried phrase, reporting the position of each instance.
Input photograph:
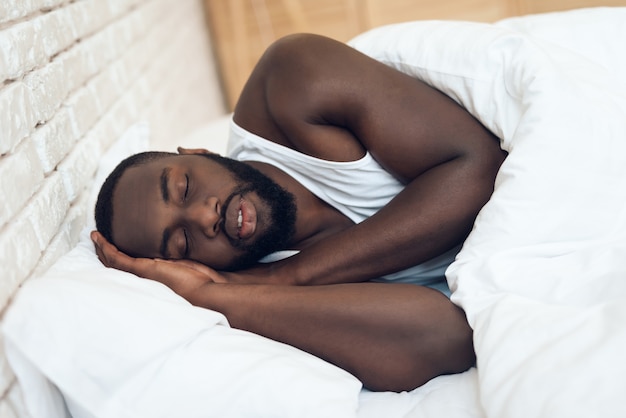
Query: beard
(281, 215)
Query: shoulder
(301, 51)
(317, 75)
(293, 98)
(299, 73)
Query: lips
(241, 218)
(247, 226)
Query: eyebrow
(165, 175)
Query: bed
(542, 276)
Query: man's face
(192, 207)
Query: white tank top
(358, 189)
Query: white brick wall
(74, 75)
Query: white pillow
(116, 345)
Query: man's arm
(324, 99)
(390, 336)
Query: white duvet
(542, 276)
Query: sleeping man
(360, 172)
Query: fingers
(110, 256)
(97, 240)
(192, 151)
(103, 248)
(96, 236)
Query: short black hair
(104, 203)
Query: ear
(192, 151)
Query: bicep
(334, 102)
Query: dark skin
(326, 100)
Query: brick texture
(74, 75)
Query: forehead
(165, 161)
(146, 171)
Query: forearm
(392, 337)
(431, 215)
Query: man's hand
(182, 276)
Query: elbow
(444, 347)
(454, 352)
(450, 348)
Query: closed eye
(186, 188)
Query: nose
(205, 215)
